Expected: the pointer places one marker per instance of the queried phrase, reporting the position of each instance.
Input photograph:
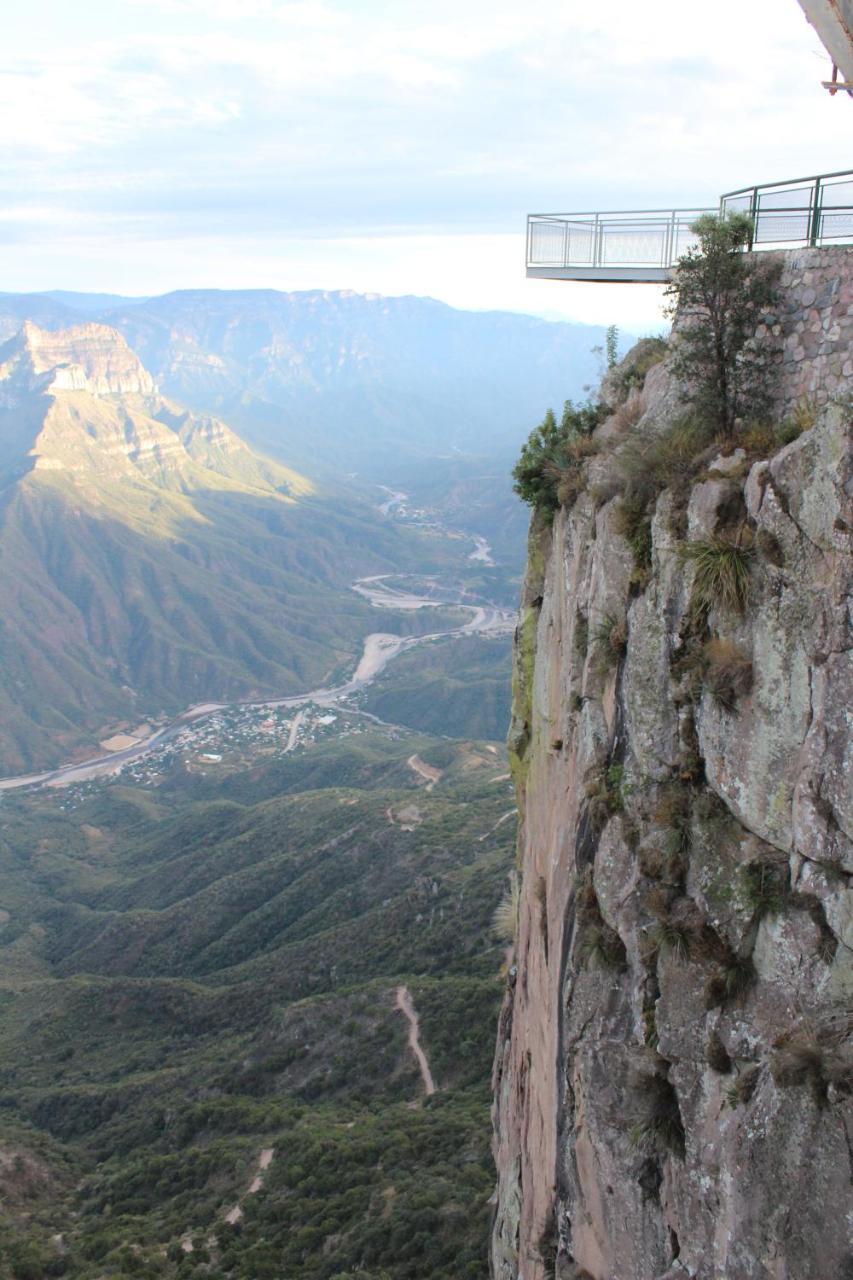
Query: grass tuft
(505, 918)
(660, 1130)
(721, 572)
(611, 640)
(726, 672)
(716, 1055)
(765, 887)
(732, 979)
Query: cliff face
(87, 357)
(672, 1078)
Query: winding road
(378, 650)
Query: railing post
(814, 229)
(566, 244)
(753, 213)
(596, 242)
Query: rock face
(87, 357)
(673, 1069)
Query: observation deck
(644, 245)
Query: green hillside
(195, 973)
(149, 559)
(457, 687)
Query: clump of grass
(758, 439)
(647, 464)
(633, 521)
(744, 1087)
(604, 793)
(631, 373)
(802, 418)
(611, 640)
(660, 1130)
(764, 887)
(817, 1057)
(600, 945)
(671, 937)
(716, 1054)
(732, 979)
(726, 672)
(505, 917)
(721, 571)
(627, 415)
(651, 462)
(650, 1028)
(567, 469)
(602, 948)
(798, 1060)
(672, 813)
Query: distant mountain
(90, 303)
(362, 379)
(149, 558)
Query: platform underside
(603, 275)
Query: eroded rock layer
(672, 1079)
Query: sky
(388, 146)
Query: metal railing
(646, 244)
(651, 239)
(805, 211)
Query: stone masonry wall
(814, 324)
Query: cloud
(188, 121)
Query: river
(378, 649)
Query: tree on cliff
(719, 294)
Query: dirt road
(407, 1008)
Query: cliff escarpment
(673, 1069)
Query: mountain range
(342, 379)
(149, 558)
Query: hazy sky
(385, 146)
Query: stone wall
(814, 324)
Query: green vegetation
(726, 672)
(672, 938)
(599, 945)
(604, 793)
(720, 294)
(611, 639)
(199, 972)
(660, 1131)
(611, 346)
(813, 1056)
(741, 1091)
(630, 374)
(765, 887)
(458, 687)
(720, 571)
(505, 919)
(138, 580)
(550, 471)
(716, 1054)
